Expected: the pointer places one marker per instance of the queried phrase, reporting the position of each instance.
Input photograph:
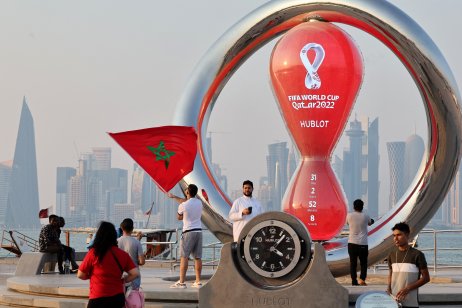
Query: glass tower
(23, 197)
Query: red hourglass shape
(316, 72)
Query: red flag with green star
(166, 153)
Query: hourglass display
(316, 72)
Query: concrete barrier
(32, 263)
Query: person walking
(357, 242)
(190, 212)
(408, 269)
(244, 209)
(105, 265)
(133, 247)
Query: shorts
(191, 243)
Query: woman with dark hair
(104, 265)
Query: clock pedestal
(316, 287)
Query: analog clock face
(272, 249)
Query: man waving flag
(166, 153)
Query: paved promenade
(53, 290)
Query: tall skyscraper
(278, 177)
(221, 178)
(353, 163)
(292, 163)
(396, 152)
(413, 155)
(102, 157)
(23, 197)
(5, 177)
(120, 212)
(372, 152)
(63, 175)
(404, 161)
(264, 194)
(77, 201)
(358, 171)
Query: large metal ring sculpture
(410, 44)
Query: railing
(438, 263)
(435, 234)
(214, 246)
(172, 246)
(213, 262)
(18, 242)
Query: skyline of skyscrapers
(88, 193)
(358, 170)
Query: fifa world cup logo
(312, 80)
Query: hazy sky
(88, 67)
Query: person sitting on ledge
(49, 240)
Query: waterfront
(448, 245)
(54, 290)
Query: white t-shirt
(191, 210)
(358, 222)
(239, 220)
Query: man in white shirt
(244, 209)
(357, 242)
(190, 211)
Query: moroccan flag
(166, 153)
(43, 213)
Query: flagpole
(150, 212)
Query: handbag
(134, 298)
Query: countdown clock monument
(315, 79)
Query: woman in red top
(101, 266)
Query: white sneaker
(196, 284)
(178, 285)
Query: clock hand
(279, 241)
(278, 252)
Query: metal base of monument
(316, 287)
